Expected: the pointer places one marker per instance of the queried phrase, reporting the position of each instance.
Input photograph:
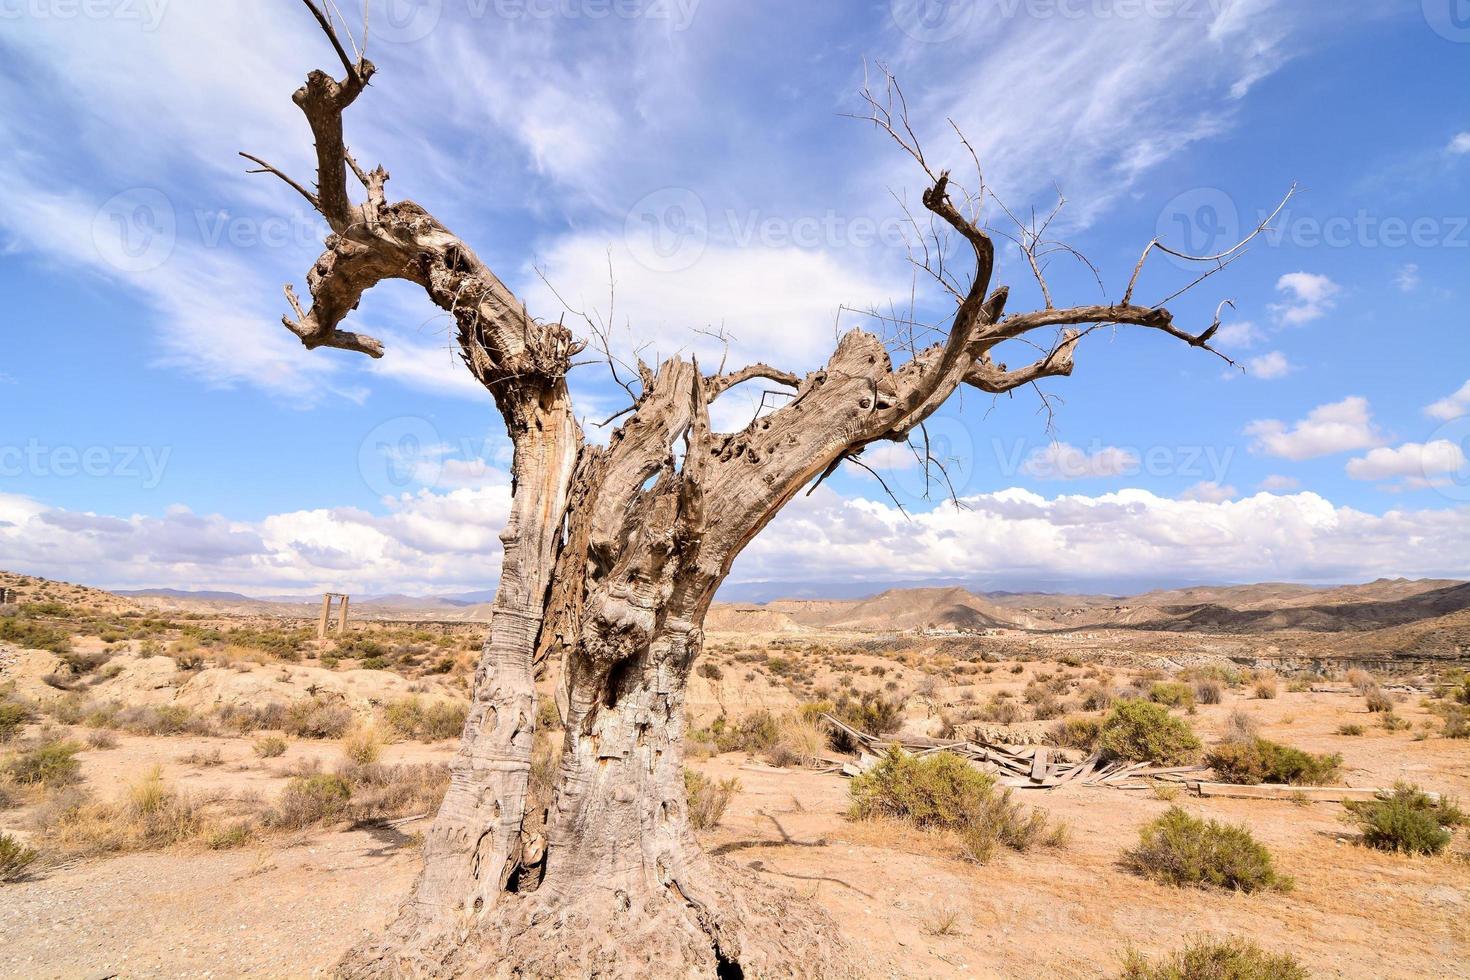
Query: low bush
(270, 747)
(1406, 820)
(1378, 702)
(31, 635)
(433, 721)
(1350, 729)
(1077, 733)
(707, 798)
(1209, 691)
(49, 764)
(15, 858)
(1232, 958)
(1265, 688)
(317, 717)
(381, 792)
(362, 746)
(1172, 694)
(1262, 761)
(162, 719)
(799, 742)
(309, 800)
(1178, 849)
(13, 716)
(101, 738)
(869, 712)
(944, 792)
(1141, 731)
(1097, 697)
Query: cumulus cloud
(1421, 463)
(1308, 297)
(1210, 492)
(1269, 366)
(1277, 482)
(1239, 335)
(425, 541)
(1022, 536)
(1063, 461)
(1451, 407)
(1460, 144)
(1338, 427)
(431, 542)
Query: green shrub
(270, 747)
(49, 764)
(412, 718)
(943, 791)
(13, 716)
(317, 717)
(1407, 821)
(1172, 694)
(1142, 731)
(870, 713)
(1077, 733)
(309, 800)
(15, 859)
(30, 635)
(707, 798)
(1232, 958)
(1178, 849)
(1262, 761)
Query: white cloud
(1062, 461)
(1210, 492)
(1240, 335)
(1407, 278)
(1335, 428)
(778, 304)
(1309, 297)
(1460, 144)
(1016, 535)
(890, 456)
(425, 541)
(1412, 460)
(1167, 82)
(1453, 407)
(1269, 366)
(1278, 482)
(448, 542)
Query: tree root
(731, 924)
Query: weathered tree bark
(612, 556)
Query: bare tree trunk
(611, 558)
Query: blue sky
(158, 426)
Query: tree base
(733, 925)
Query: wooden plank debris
(1320, 794)
(1019, 767)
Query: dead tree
(611, 558)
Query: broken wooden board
(1318, 794)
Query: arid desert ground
(201, 787)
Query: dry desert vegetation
(199, 786)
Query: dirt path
(252, 913)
